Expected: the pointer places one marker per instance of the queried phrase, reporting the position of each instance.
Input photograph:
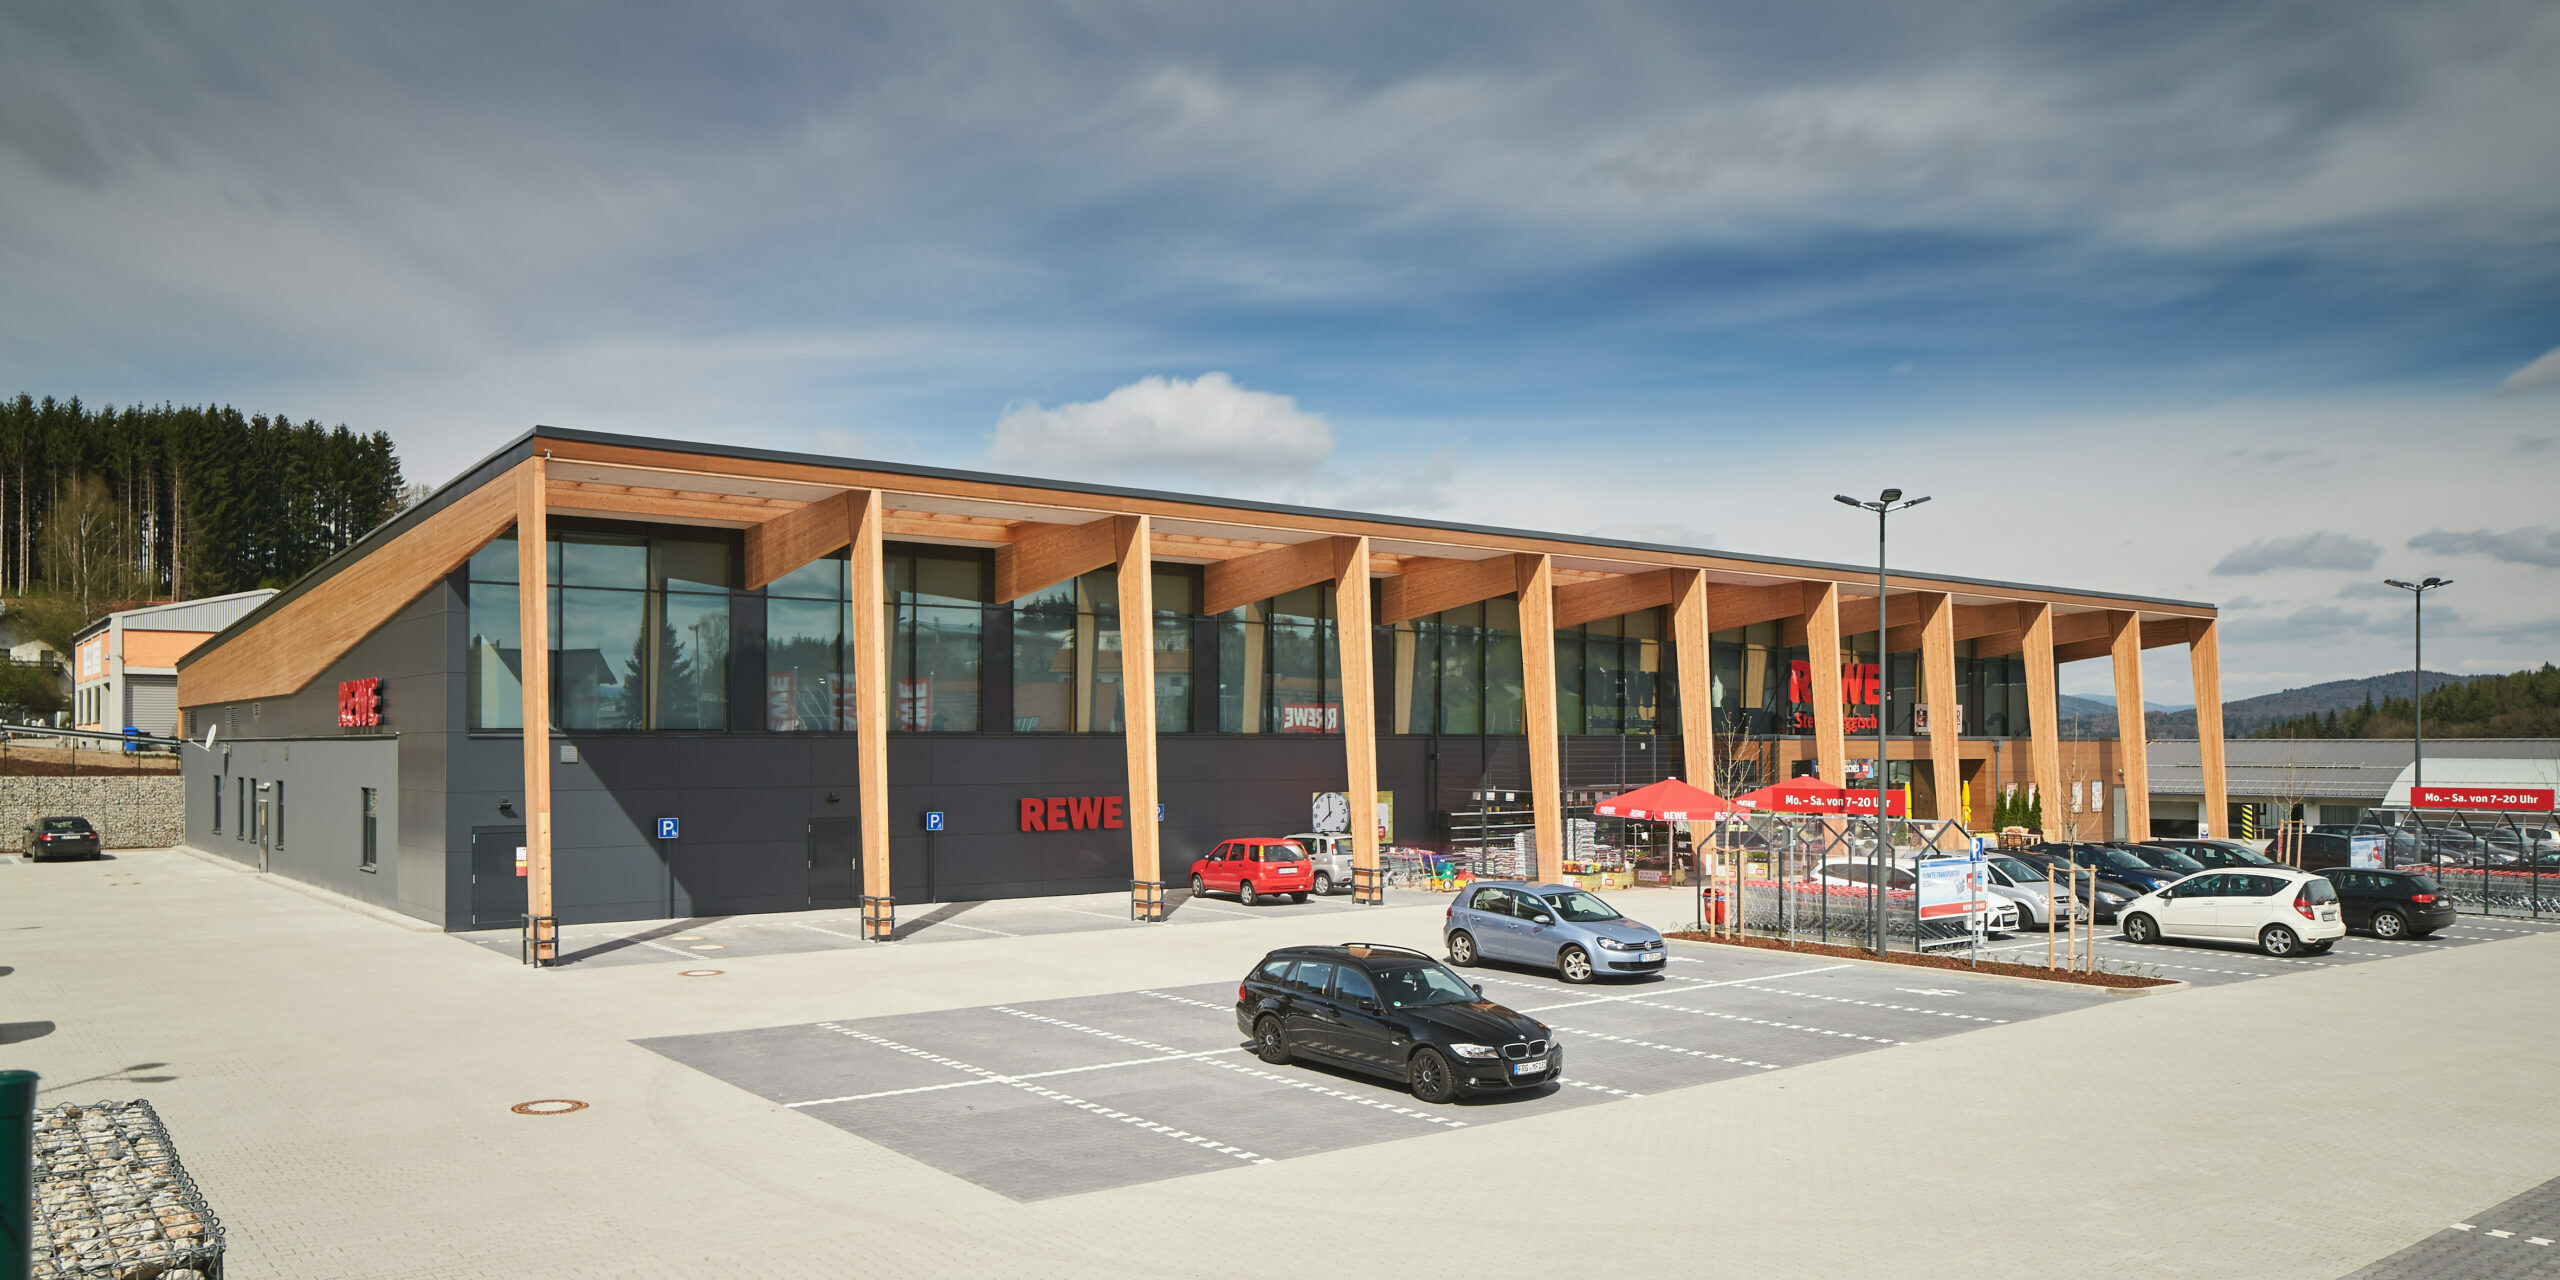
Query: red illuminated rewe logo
(360, 703)
(1072, 813)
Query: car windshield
(66, 824)
(1412, 986)
(2117, 858)
(1580, 907)
(2169, 858)
(2018, 871)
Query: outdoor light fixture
(2417, 675)
(507, 807)
(1886, 504)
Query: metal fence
(2485, 862)
(1820, 879)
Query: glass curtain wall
(1066, 653)
(1609, 675)
(937, 639)
(1458, 671)
(640, 630)
(1279, 670)
(1994, 692)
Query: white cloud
(1205, 427)
(2534, 546)
(2322, 550)
(2543, 372)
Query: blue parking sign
(666, 828)
(933, 819)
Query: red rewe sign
(1072, 813)
(360, 703)
(1858, 681)
(2535, 799)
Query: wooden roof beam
(795, 538)
(1046, 555)
(1261, 575)
(1730, 606)
(1430, 584)
(1581, 602)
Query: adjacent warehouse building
(774, 681)
(2327, 780)
(125, 672)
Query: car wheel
(1433, 1079)
(2138, 928)
(1198, 886)
(1573, 964)
(1245, 894)
(1270, 1043)
(2390, 924)
(1324, 883)
(1462, 948)
(2278, 941)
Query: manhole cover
(548, 1107)
(701, 973)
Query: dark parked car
(61, 838)
(2161, 857)
(2112, 890)
(2390, 904)
(1392, 1012)
(2318, 850)
(2114, 864)
(2218, 855)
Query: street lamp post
(1886, 503)
(2417, 675)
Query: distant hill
(2095, 717)
(2522, 704)
(2246, 717)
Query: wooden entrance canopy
(795, 508)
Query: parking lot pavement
(1051, 1098)
(2518, 1238)
(709, 940)
(2207, 964)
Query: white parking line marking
(673, 951)
(2463, 1226)
(1099, 915)
(832, 933)
(1765, 1022)
(1201, 1004)
(923, 925)
(2503, 1235)
(1067, 1099)
(1600, 1088)
(1898, 1008)
(1667, 1048)
(1213, 911)
(1311, 1086)
(1028, 1075)
(1063, 1024)
(1673, 991)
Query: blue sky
(2236, 302)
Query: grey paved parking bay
(1058, 1097)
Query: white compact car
(2040, 902)
(2282, 911)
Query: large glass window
(1609, 675)
(808, 683)
(493, 663)
(640, 632)
(1458, 671)
(937, 641)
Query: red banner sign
(2536, 799)
(1865, 802)
(1073, 813)
(360, 703)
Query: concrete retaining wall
(148, 812)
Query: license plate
(1533, 1067)
(1651, 957)
(2328, 913)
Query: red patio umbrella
(1669, 800)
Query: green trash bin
(17, 1173)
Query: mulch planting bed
(2001, 967)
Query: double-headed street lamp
(1886, 503)
(2417, 676)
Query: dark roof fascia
(749, 454)
(454, 490)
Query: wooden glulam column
(1538, 707)
(1938, 684)
(1822, 654)
(2042, 713)
(1136, 575)
(1689, 640)
(2133, 737)
(533, 630)
(1359, 712)
(2204, 657)
(870, 593)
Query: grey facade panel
(150, 704)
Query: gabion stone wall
(148, 812)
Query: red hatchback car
(1255, 868)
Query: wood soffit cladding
(1037, 531)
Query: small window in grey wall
(369, 847)
(240, 794)
(279, 813)
(217, 804)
